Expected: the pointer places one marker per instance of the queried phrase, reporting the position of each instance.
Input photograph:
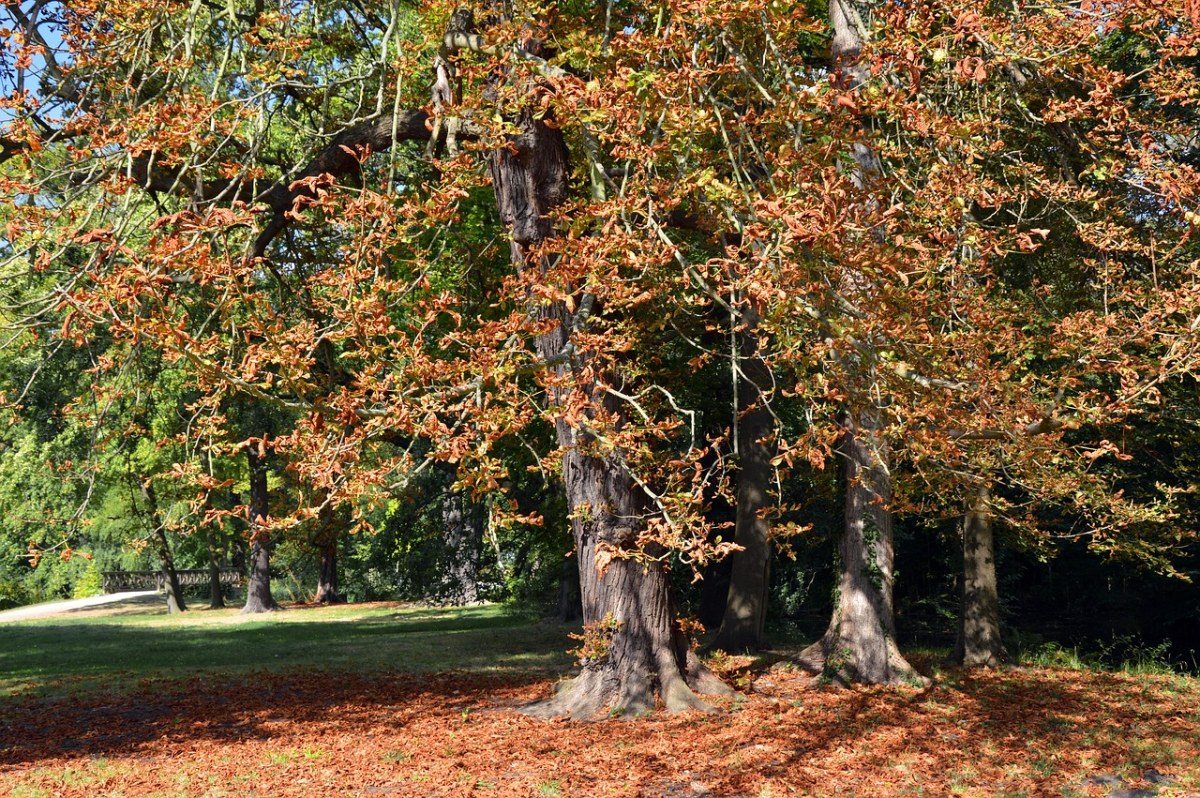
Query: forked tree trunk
(258, 589)
(746, 605)
(628, 604)
(979, 644)
(166, 562)
(860, 644)
(330, 523)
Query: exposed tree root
(836, 658)
(329, 597)
(599, 692)
(988, 658)
(991, 661)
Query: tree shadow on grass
(101, 689)
(50, 657)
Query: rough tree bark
(463, 527)
(627, 606)
(569, 607)
(979, 644)
(640, 651)
(258, 589)
(746, 605)
(175, 602)
(330, 523)
(860, 644)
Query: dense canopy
(643, 271)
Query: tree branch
(339, 159)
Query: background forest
(867, 323)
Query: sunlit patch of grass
(88, 776)
(961, 780)
(1122, 654)
(1026, 731)
(280, 757)
(54, 655)
(551, 788)
(1053, 655)
(23, 791)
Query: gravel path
(57, 607)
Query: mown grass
(59, 654)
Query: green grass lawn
(52, 655)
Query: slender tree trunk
(216, 593)
(639, 649)
(978, 644)
(331, 523)
(746, 605)
(860, 644)
(175, 602)
(235, 550)
(258, 590)
(212, 539)
(463, 526)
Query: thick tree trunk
(258, 589)
(746, 605)
(463, 526)
(326, 543)
(570, 606)
(978, 644)
(327, 580)
(166, 562)
(633, 647)
(637, 649)
(860, 644)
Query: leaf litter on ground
(1012, 732)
